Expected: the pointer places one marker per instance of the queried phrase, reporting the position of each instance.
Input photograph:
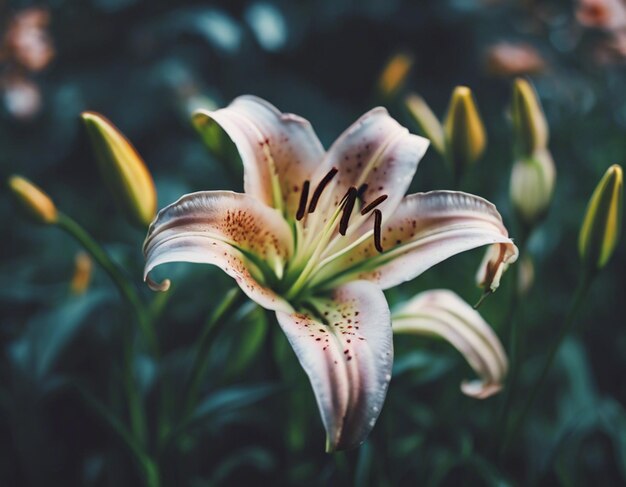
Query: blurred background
(146, 65)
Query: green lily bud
(123, 170)
(464, 131)
(33, 201)
(529, 123)
(600, 230)
(427, 121)
(532, 186)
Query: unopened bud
(394, 74)
(599, 233)
(464, 130)
(33, 201)
(529, 123)
(427, 121)
(123, 170)
(532, 186)
(83, 267)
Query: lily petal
(345, 346)
(427, 228)
(278, 150)
(444, 314)
(246, 239)
(376, 151)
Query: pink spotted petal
(232, 231)
(346, 349)
(279, 150)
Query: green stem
(577, 301)
(515, 339)
(123, 285)
(201, 361)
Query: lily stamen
(348, 206)
(374, 204)
(378, 223)
(320, 188)
(304, 196)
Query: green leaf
(48, 334)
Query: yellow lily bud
(529, 123)
(426, 120)
(600, 230)
(35, 203)
(394, 74)
(464, 130)
(123, 169)
(532, 186)
(83, 267)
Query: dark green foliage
(146, 64)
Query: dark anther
(373, 204)
(348, 206)
(320, 187)
(304, 196)
(360, 192)
(378, 223)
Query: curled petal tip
(158, 286)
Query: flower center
(312, 242)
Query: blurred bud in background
(22, 97)
(601, 14)
(427, 121)
(83, 267)
(26, 40)
(506, 59)
(529, 123)
(532, 187)
(526, 274)
(36, 204)
(534, 175)
(600, 230)
(26, 47)
(123, 170)
(394, 74)
(461, 138)
(464, 131)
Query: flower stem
(577, 301)
(201, 362)
(515, 339)
(140, 314)
(122, 283)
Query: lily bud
(464, 130)
(600, 230)
(33, 201)
(83, 267)
(427, 121)
(532, 186)
(529, 123)
(123, 170)
(394, 74)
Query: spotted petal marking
(246, 239)
(427, 228)
(375, 151)
(279, 150)
(345, 346)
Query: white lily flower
(317, 236)
(443, 314)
